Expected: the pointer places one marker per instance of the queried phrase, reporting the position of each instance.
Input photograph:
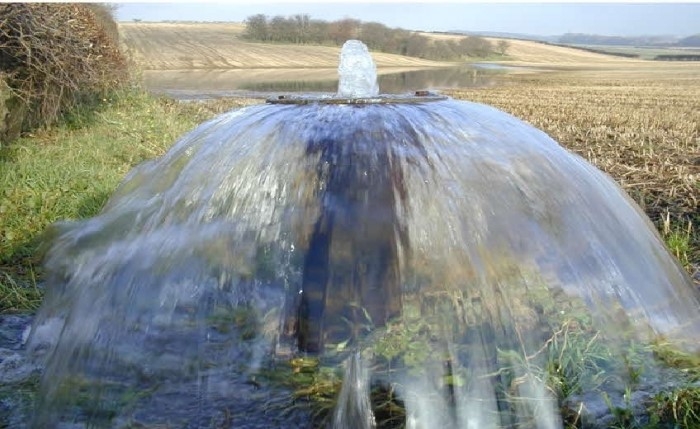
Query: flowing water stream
(418, 245)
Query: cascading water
(436, 246)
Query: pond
(205, 84)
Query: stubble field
(645, 133)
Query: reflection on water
(202, 84)
(454, 77)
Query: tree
(502, 46)
(375, 35)
(343, 30)
(301, 28)
(444, 50)
(281, 29)
(256, 27)
(417, 46)
(302, 25)
(318, 31)
(473, 46)
(397, 43)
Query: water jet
(439, 249)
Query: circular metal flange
(417, 97)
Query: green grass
(678, 239)
(680, 408)
(577, 359)
(16, 296)
(69, 172)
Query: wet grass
(17, 400)
(576, 364)
(679, 408)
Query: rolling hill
(178, 46)
(186, 46)
(175, 47)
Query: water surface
(203, 84)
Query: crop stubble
(645, 133)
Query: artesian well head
(426, 238)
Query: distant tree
(302, 23)
(302, 29)
(398, 41)
(256, 28)
(473, 46)
(318, 31)
(417, 46)
(502, 46)
(443, 50)
(343, 30)
(375, 35)
(281, 29)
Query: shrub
(54, 58)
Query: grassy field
(531, 53)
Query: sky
(618, 19)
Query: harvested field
(168, 46)
(644, 133)
(526, 52)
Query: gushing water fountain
(438, 249)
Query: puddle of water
(204, 84)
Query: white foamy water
(357, 71)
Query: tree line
(302, 29)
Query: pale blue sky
(680, 19)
